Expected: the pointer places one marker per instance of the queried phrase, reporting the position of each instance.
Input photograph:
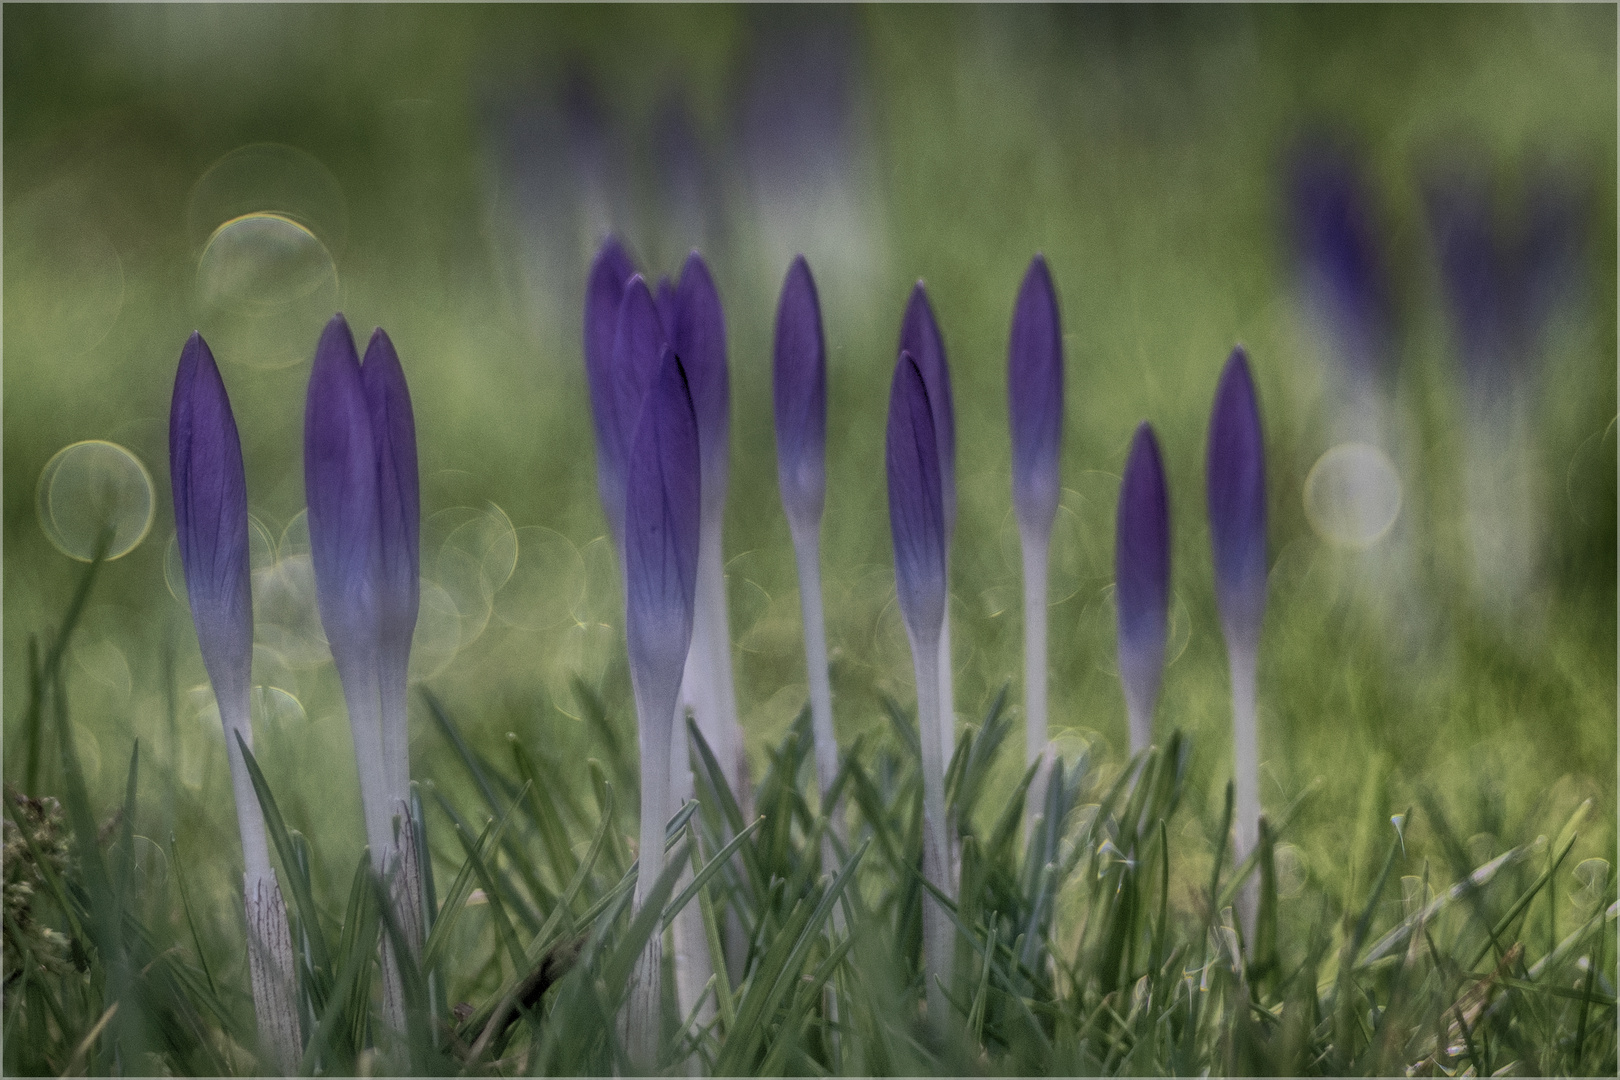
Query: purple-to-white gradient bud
(662, 500)
(399, 497)
(210, 517)
(1035, 398)
(211, 525)
(800, 387)
(340, 490)
(1336, 242)
(1142, 581)
(700, 341)
(663, 508)
(919, 336)
(1236, 488)
(916, 515)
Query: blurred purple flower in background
(1506, 270)
(1142, 581)
(211, 525)
(1339, 251)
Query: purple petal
(662, 508)
(1035, 398)
(638, 341)
(801, 397)
(340, 489)
(916, 514)
(604, 292)
(919, 336)
(700, 342)
(664, 301)
(399, 497)
(1340, 261)
(1236, 486)
(1142, 571)
(210, 516)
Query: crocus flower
(1501, 286)
(1035, 408)
(1142, 581)
(662, 522)
(618, 385)
(1340, 261)
(211, 524)
(800, 387)
(360, 483)
(919, 336)
(700, 341)
(917, 524)
(1236, 488)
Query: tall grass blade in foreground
(917, 524)
(1142, 581)
(1035, 407)
(662, 521)
(211, 523)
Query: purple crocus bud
(399, 498)
(616, 397)
(919, 336)
(210, 517)
(662, 500)
(916, 513)
(700, 341)
(1035, 399)
(1142, 581)
(1336, 239)
(801, 398)
(1236, 487)
(664, 301)
(340, 489)
(604, 289)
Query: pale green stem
(806, 550)
(642, 1012)
(269, 941)
(1245, 775)
(938, 940)
(1035, 548)
(692, 964)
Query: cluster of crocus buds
(364, 500)
(364, 506)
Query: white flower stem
(642, 1012)
(1035, 551)
(692, 964)
(938, 940)
(807, 552)
(946, 692)
(1245, 775)
(270, 958)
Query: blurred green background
(446, 173)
